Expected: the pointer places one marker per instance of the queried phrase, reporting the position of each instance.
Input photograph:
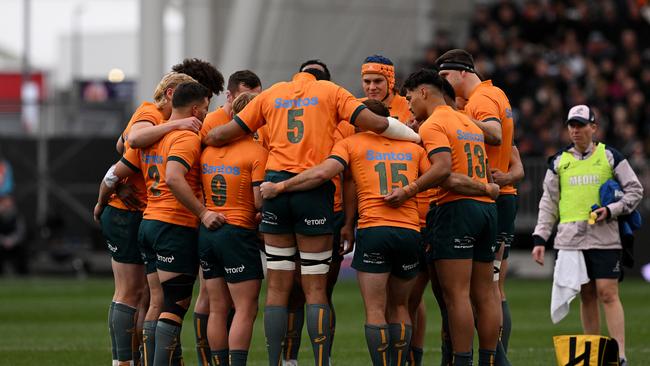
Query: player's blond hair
(170, 80)
(241, 101)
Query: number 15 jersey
(380, 165)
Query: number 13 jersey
(447, 130)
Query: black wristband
(538, 240)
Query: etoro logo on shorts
(165, 259)
(466, 242)
(233, 270)
(312, 222)
(408, 267)
(269, 218)
(112, 248)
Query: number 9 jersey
(228, 174)
(447, 130)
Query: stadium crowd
(550, 55)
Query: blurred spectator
(549, 55)
(12, 225)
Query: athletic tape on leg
(281, 259)
(497, 270)
(315, 263)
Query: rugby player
(463, 226)
(301, 116)
(239, 82)
(229, 256)
(168, 230)
(343, 231)
(120, 222)
(386, 256)
(490, 108)
(378, 82)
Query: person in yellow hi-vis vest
(571, 188)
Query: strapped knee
(280, 259)
(497, 270)
(315, 263)
(174, 290)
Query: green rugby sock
(462, 359)
(378, 341)
(296, 320)
(111, 331)
(507, 325)
(501, 359)
(400, 340)
(167, 342)
(275, 329)
(201, 336)
(318, 327)
(148, 341)
(220, 357)
(238, 357)
(416, 356)
(124, 330)
(486, 357)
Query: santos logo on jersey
(151, 159)
(469, 136)
(376, 155)
(293, 103)
(219, 169)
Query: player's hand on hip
(492, 190)
(128, 195)
(396, 198)
(269, 190)
(347, 239)
(97, 211)
(538, 254)
(190, 123)
(212, 220)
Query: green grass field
(63, 322)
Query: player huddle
(304, 172)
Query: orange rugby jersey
(379, 165)
(261, 136)
(183, 147)
(343, 130)
(488, 102)
(452, 131)
(146, 112)
(301, 116)
(214, 119)
(228, 174)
